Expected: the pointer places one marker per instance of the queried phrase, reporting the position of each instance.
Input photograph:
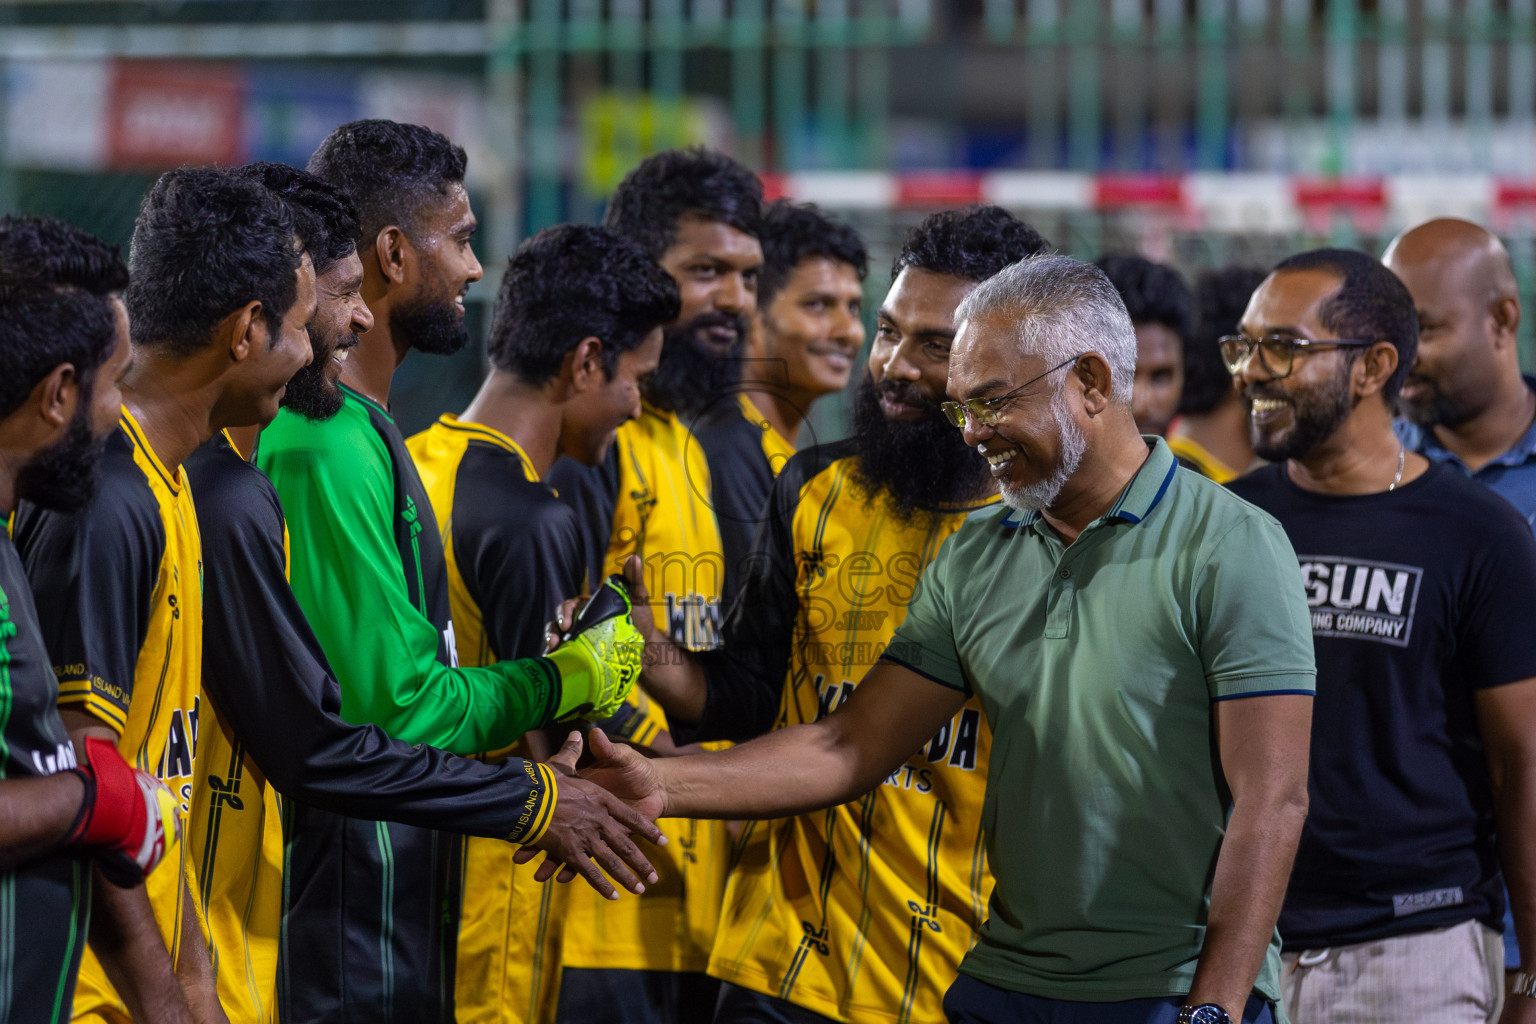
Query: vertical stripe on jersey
(861, 939)
(536, 990)
(80, 889)
(921, 919)
(387, 912)
(141, 759)
(978, 880)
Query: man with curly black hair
(63, 350)
(577, 328)
(218, 300)
(850, 528)
(369, 570)
(1161, 309)
(803, 344)
(698, 214)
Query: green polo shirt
(1097, 664)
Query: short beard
(690, 376)
(1074, 445)
(65, 477)
(919, 466)
(1316, 417)
(436, 328)
(310, 392)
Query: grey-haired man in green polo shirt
(1141, 644)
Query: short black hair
(1221, 296)
(56, 289)
(323, 217)
(392, 172)
(1372, 304)
(972, 244)
(799, 231)
(572, 282)
(676, 183)
(1152, 292)
(206, 242)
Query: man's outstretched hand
(626, 773)
(591, 827)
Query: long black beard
(65, 478)
(919, 466)
(1316, 416)
(690, 376)
(310, 392)
(436, 328)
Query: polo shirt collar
(1140, 496)
(1423, 441)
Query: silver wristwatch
(1205, 1013)
(1523, 984)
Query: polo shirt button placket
(1058, 617)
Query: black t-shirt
(1419, 597)
(43, 935)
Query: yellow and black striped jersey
(860, 912)
(514, 553)
(120, 597)
(652, 498)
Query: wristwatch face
(1208, 1014)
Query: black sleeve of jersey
(746, 675)
(518, 548)
(740, 483)
(93, 575)
(267, 675)
(593, 492)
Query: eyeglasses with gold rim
(986, 410)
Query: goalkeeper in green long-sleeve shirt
(371, 908)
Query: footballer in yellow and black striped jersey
(860, 912)
(119, 589)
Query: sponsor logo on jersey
(1361, 599)
(954, 745)
(61, 760)
(180, 743)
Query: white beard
(1074, 444)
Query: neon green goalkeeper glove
(600, 658)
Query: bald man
(1465, 401)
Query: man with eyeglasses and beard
(277, 725)
(371, 908)
(63, 351)
(1148, 704)
(849, 529)
(698, 214)
(1421, 583)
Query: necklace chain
(1399, 477)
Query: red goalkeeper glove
(128, 817)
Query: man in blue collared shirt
(1465, 401)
